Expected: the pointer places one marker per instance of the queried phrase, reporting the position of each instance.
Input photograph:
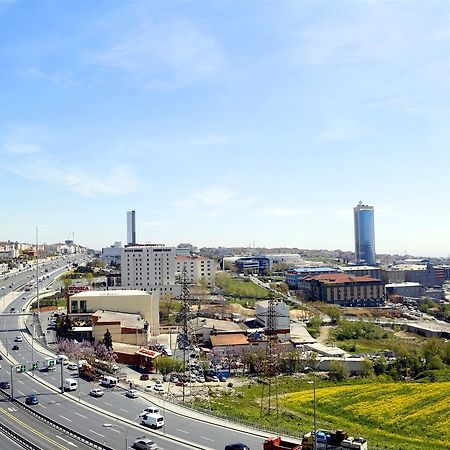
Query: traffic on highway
(109, 415)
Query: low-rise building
(142, 304)
(124, 328)
(275, 315)
(406, 289)
(112, 255)
(254, 264)
(344, 290)
(294, 275)
(359, 271)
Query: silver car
(144, 443)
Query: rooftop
(356, 268)
(220, 325)
(293, 270)
(330, 278)
(113, 293)
(126, 320)
(222, 340)
(405, 284)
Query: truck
(88, 373)
(278, 443)
(49, 364)
(325, 440)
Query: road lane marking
(81, 415)
(115, 431)
(20, 392)
(20, 381)
(109, 404)
(42, 406)
(124, 410)
(98, 434)
(62, 417)
(208, 439)
(182, 431)
(68, 442)
(33, 430)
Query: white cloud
(164, 55)
(62, 78)
(24, 140)
(116, 180)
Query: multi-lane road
(87, 415)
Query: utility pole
(12, 386)
(37, 272)
(183, 319)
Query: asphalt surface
(113, 407)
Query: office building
(344, 290)
(294, 275)
(151, 268)
(364, 234)
(198, 268)
(131, 227)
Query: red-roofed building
(344, 290)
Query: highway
(114, 407)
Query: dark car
(32, 400)
(238, 446)
(144, 377)
(4, 385)
(15, 347)
(1, 357)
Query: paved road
(90, 421)
(35, 430)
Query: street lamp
(315, 410)
(125, 432)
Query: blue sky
(225, 122)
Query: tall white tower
(131, 227)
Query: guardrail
(25, 443)
(78, 436)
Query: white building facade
(198, 268)
(151, 268)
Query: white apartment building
(150, 268)
(197, 267)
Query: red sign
(75, 289)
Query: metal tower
(270, 366)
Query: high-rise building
(149, 267)
(131, 227)
(364, 234)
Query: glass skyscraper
(364, 234)
(131, 227)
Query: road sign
(21, 368)
(34, 366)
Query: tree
(335, 314)
(338, 371)
(107, 340)
(167, 365)
(65, 328)
(367, 368)
(380, 365)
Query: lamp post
(125, 432)
(315, 407)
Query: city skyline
(225, 123)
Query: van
(153, 420)
(70, 384)
(62, 359)
(108, 381)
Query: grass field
(407, 416)
(391, 415)
(240, 287)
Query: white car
(158, 388)
(132, 393)
(72, 366)
(18, 339)
(96, 392)
(149, 410)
